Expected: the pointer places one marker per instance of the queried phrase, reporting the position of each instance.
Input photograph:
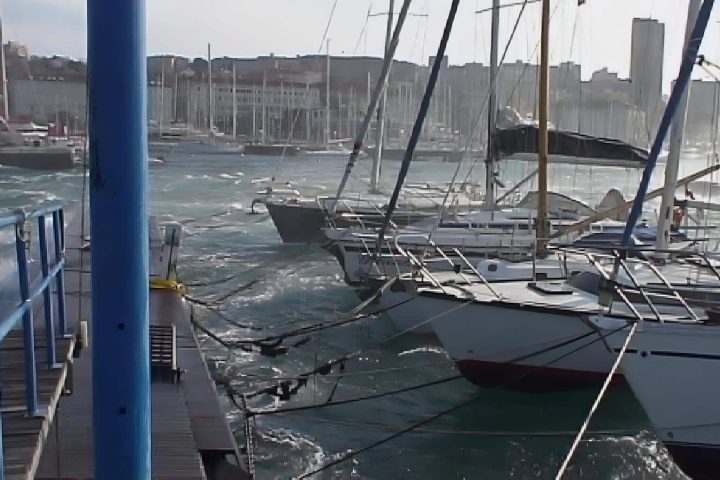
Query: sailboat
(490, 229)
(672, 364)
(544, 332)
(300, 219)
(214, 142)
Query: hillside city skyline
(233, 28)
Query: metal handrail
(29, 292)
(644, 290)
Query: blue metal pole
(47, 294)
(683, 78)
(28, 330)
(119, 232)
(58, 235)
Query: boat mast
(119, 232)
(542, 233)
(676, 143)
(379, 88)
(264, 109)
(162, 97)
(175, 92)
(6, 111)
(327, 95)
(254, 112)
(492, 108)
(688, 61)
(234, 93)
(377, 157)
(210, 97)
(419, 121)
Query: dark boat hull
(37, 158)
(303, 223)
(700, 462)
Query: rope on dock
(596, 403)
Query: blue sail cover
(569, 147)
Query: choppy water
(500, 435)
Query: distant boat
(273, 150)
(338, 151)
(18, 150)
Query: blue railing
(51, 269)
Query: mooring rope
(596, 403)
(350, 455)
(352, 400)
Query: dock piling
(119, 232)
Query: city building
(702, 112)
(647, 50)
(281, 98)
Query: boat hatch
(551, 288)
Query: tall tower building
(646, 66)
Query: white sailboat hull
(506, 345)
(673, 370)
(357, 258)
(406, 314)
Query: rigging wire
(327, 26)
(360, 373)
(356, 399)
(484, 105)
(84, 196)
(480, 433)
(364, 27)
(354, 453)
(477, 119)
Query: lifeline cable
(517, 359)
(348, 317)
(271, 344)
(479, 433)
(276, 340)
(417, 127)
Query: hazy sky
(247, 28)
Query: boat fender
(84, 335)
(324, 369)
(260, 201)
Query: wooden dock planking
(24, 436)
(208, 419)
(188, 422)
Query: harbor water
(271, 287)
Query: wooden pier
(191, 438)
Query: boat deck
(191, 438)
